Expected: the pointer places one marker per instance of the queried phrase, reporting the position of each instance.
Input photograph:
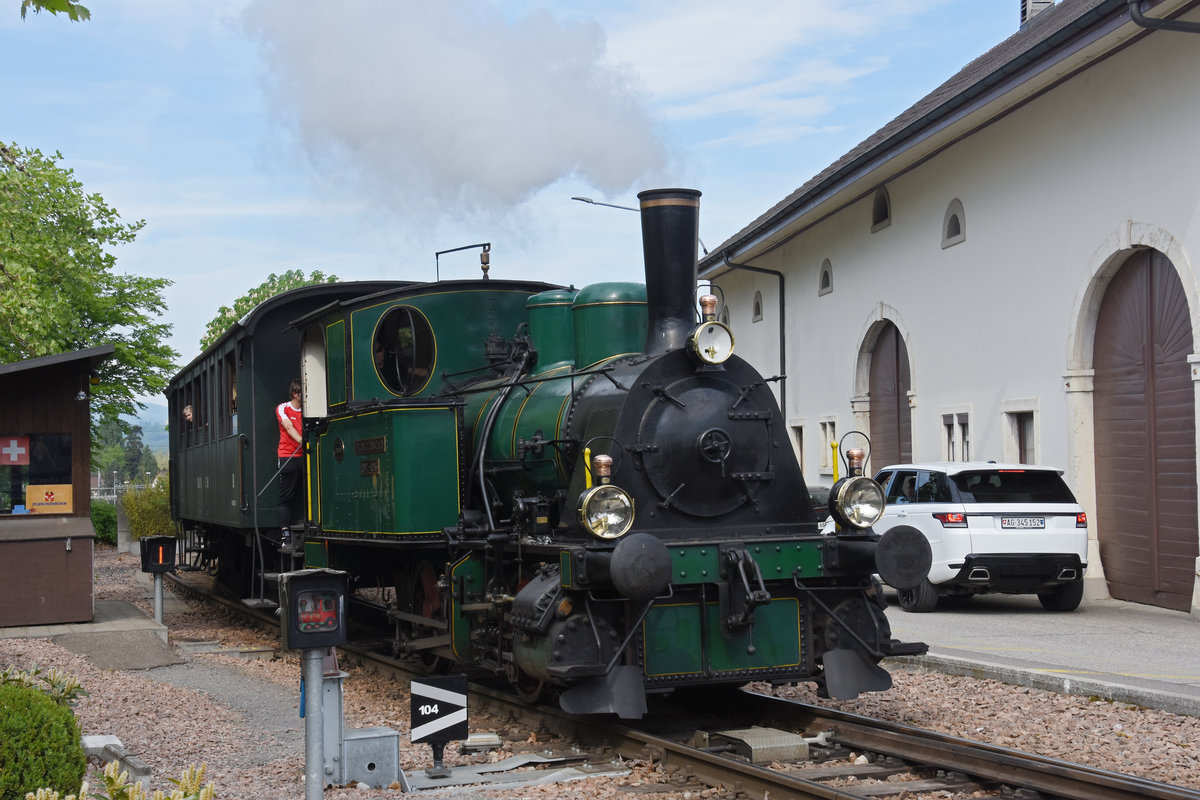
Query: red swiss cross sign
(14, 450)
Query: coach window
(230, 391)
(403, 350)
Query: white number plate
(1022, 522)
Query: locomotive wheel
(530, 689)
(425, 601)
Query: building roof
(92, 355)
(1049, 48)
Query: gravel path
(240, 716)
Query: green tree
(149, 465)
(76, 12)
(58, 288)
(273, 285)
(134, 452)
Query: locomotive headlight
(712, 342)
(606, 511)
(857, 502)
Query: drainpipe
(1135, 13)
(782, 327)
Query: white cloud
(450, 104)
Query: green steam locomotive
(583, 491)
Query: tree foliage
(59, 291)
(273, 285)
(118, 448)
(69, 7)
(76, 12)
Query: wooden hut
(46, 534)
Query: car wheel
(918, 599)
(1062, 598)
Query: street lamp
(590, 201)
(598, 203)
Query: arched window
(954, 226)
(826, 284)
(758, 314)
(881, 210)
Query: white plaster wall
(1001, 317)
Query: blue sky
(359, 138)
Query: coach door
(1145, 435)
(891, 416)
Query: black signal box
(313, 602)
(158, 553)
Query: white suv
(1008, 528)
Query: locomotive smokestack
(670, 230)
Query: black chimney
(670, 230)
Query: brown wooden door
(891, 417)
(1145, 435)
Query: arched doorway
(1145, 436)
(891, 416)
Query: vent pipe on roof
(1031, 8)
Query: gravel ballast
(241, 717)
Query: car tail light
(1081, 519)
(952, 519)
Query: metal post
(314, 723)
(158, 598)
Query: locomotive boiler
(586, 491)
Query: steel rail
(988, 762)
(916, 746)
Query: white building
(1006, 271)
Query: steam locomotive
(583, 491)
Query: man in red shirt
(291, 463)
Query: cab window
(402, 350)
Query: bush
(40, 744)
(149, 511)
(104, 521)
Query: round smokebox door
(707, 456)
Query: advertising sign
(49, 498)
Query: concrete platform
(120, 636)
(1120, 651)
(110, 616)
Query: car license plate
(1022, 522)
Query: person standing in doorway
(291, 463)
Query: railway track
(758, 746)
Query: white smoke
(448, 104)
